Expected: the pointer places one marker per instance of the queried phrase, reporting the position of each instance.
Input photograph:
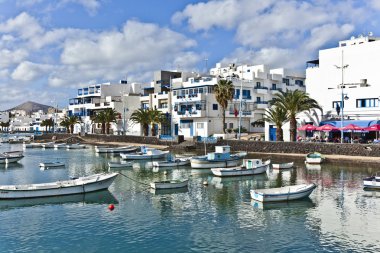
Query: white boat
(120, 165)
(314, 158)
(48, 145)
(125, 149)
(146, 153)
(372, 182)
(32, 145)
(75, 146)
(91, 183)
(11, 156)
(173, 163)
(170, 184)
(283, 193)
(52, 164)
(282, 165)
(60, 145)
(249, 167)
(221, 158)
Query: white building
(123, 97)
(258, 84)
(4, 117)
(354, 63)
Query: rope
(133, 179)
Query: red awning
(375, 127)
(307, 127)
(327, 128)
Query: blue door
(191, 128)
(176, 129)
(272, 133)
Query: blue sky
(49, 48)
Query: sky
(50, 48)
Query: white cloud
(28, 71)
(23, 25)
(91, 6)
(9, 58)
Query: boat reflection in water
(258, 180)
(99, 197)
(169, 191)
(294, 204)
(11, 166)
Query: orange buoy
(111, 207)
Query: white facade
(4, 117)
(361, 58)
(122, 97)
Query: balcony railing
(261, 102)
(278, 89)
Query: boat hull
(47, 165)
(81, 185)
(10, 159)
(284, 194)
(238, 171)
(143, 156)
(209, 164)
(169, 185)
(120, 165)
(371, 183)
(282, 165)
(171, 164)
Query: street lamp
(342, 67)
(241, 101)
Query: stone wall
(298, 147)
(109, 138)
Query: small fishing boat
(314, 158)
(221, 158)
(48, 145)
(170, 184)
(146, 153)
(172, 163)
(120, 165)
(372, 182)
(32, 145)
(60, 145)
(282, 165)
(11, 156)
(283, 193)
(114, 150)
(75, 146)
(51, 164)
(249, 167)
(91, 183)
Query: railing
(278, 89)
(260, 87)
(261, 102)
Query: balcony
(261, 90)
(261, 104)
(275, 90)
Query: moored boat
(125, 149)
(52, 164)
(11, 156)
(283, 193)
(60, 145)
(120, 165)
(146, 153)
(75, 146)
(172, 163)
(48, 145)
(249, 167)
(314, 158)
(372, 182)
(170, 184)
(32, 145)
(221, 158)
(282, 165)
(91, 183)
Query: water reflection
(295, 204)
(100, 197)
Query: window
(200, 90)
(258, 84)
(286, 81)
(200, 125)
(215, 107)
(335, 103)
(191, 91)
(299, 82)
(231, 125)
(186, 124)
(174, 93)
(258, 100)
(237, 94)
(367, 102)
(274, 86)
(246, 94)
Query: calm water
(338, 217)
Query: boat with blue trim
(221, 158)
(285, 193)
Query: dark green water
(220, 217)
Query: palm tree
(44, 124)
(156, 117)
(142, 117)
(66, 124)
(72, 120)
(294, 102)
(224, 92)
(110, 116)
(278, 116)
(100, 117)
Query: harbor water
(339, 216)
